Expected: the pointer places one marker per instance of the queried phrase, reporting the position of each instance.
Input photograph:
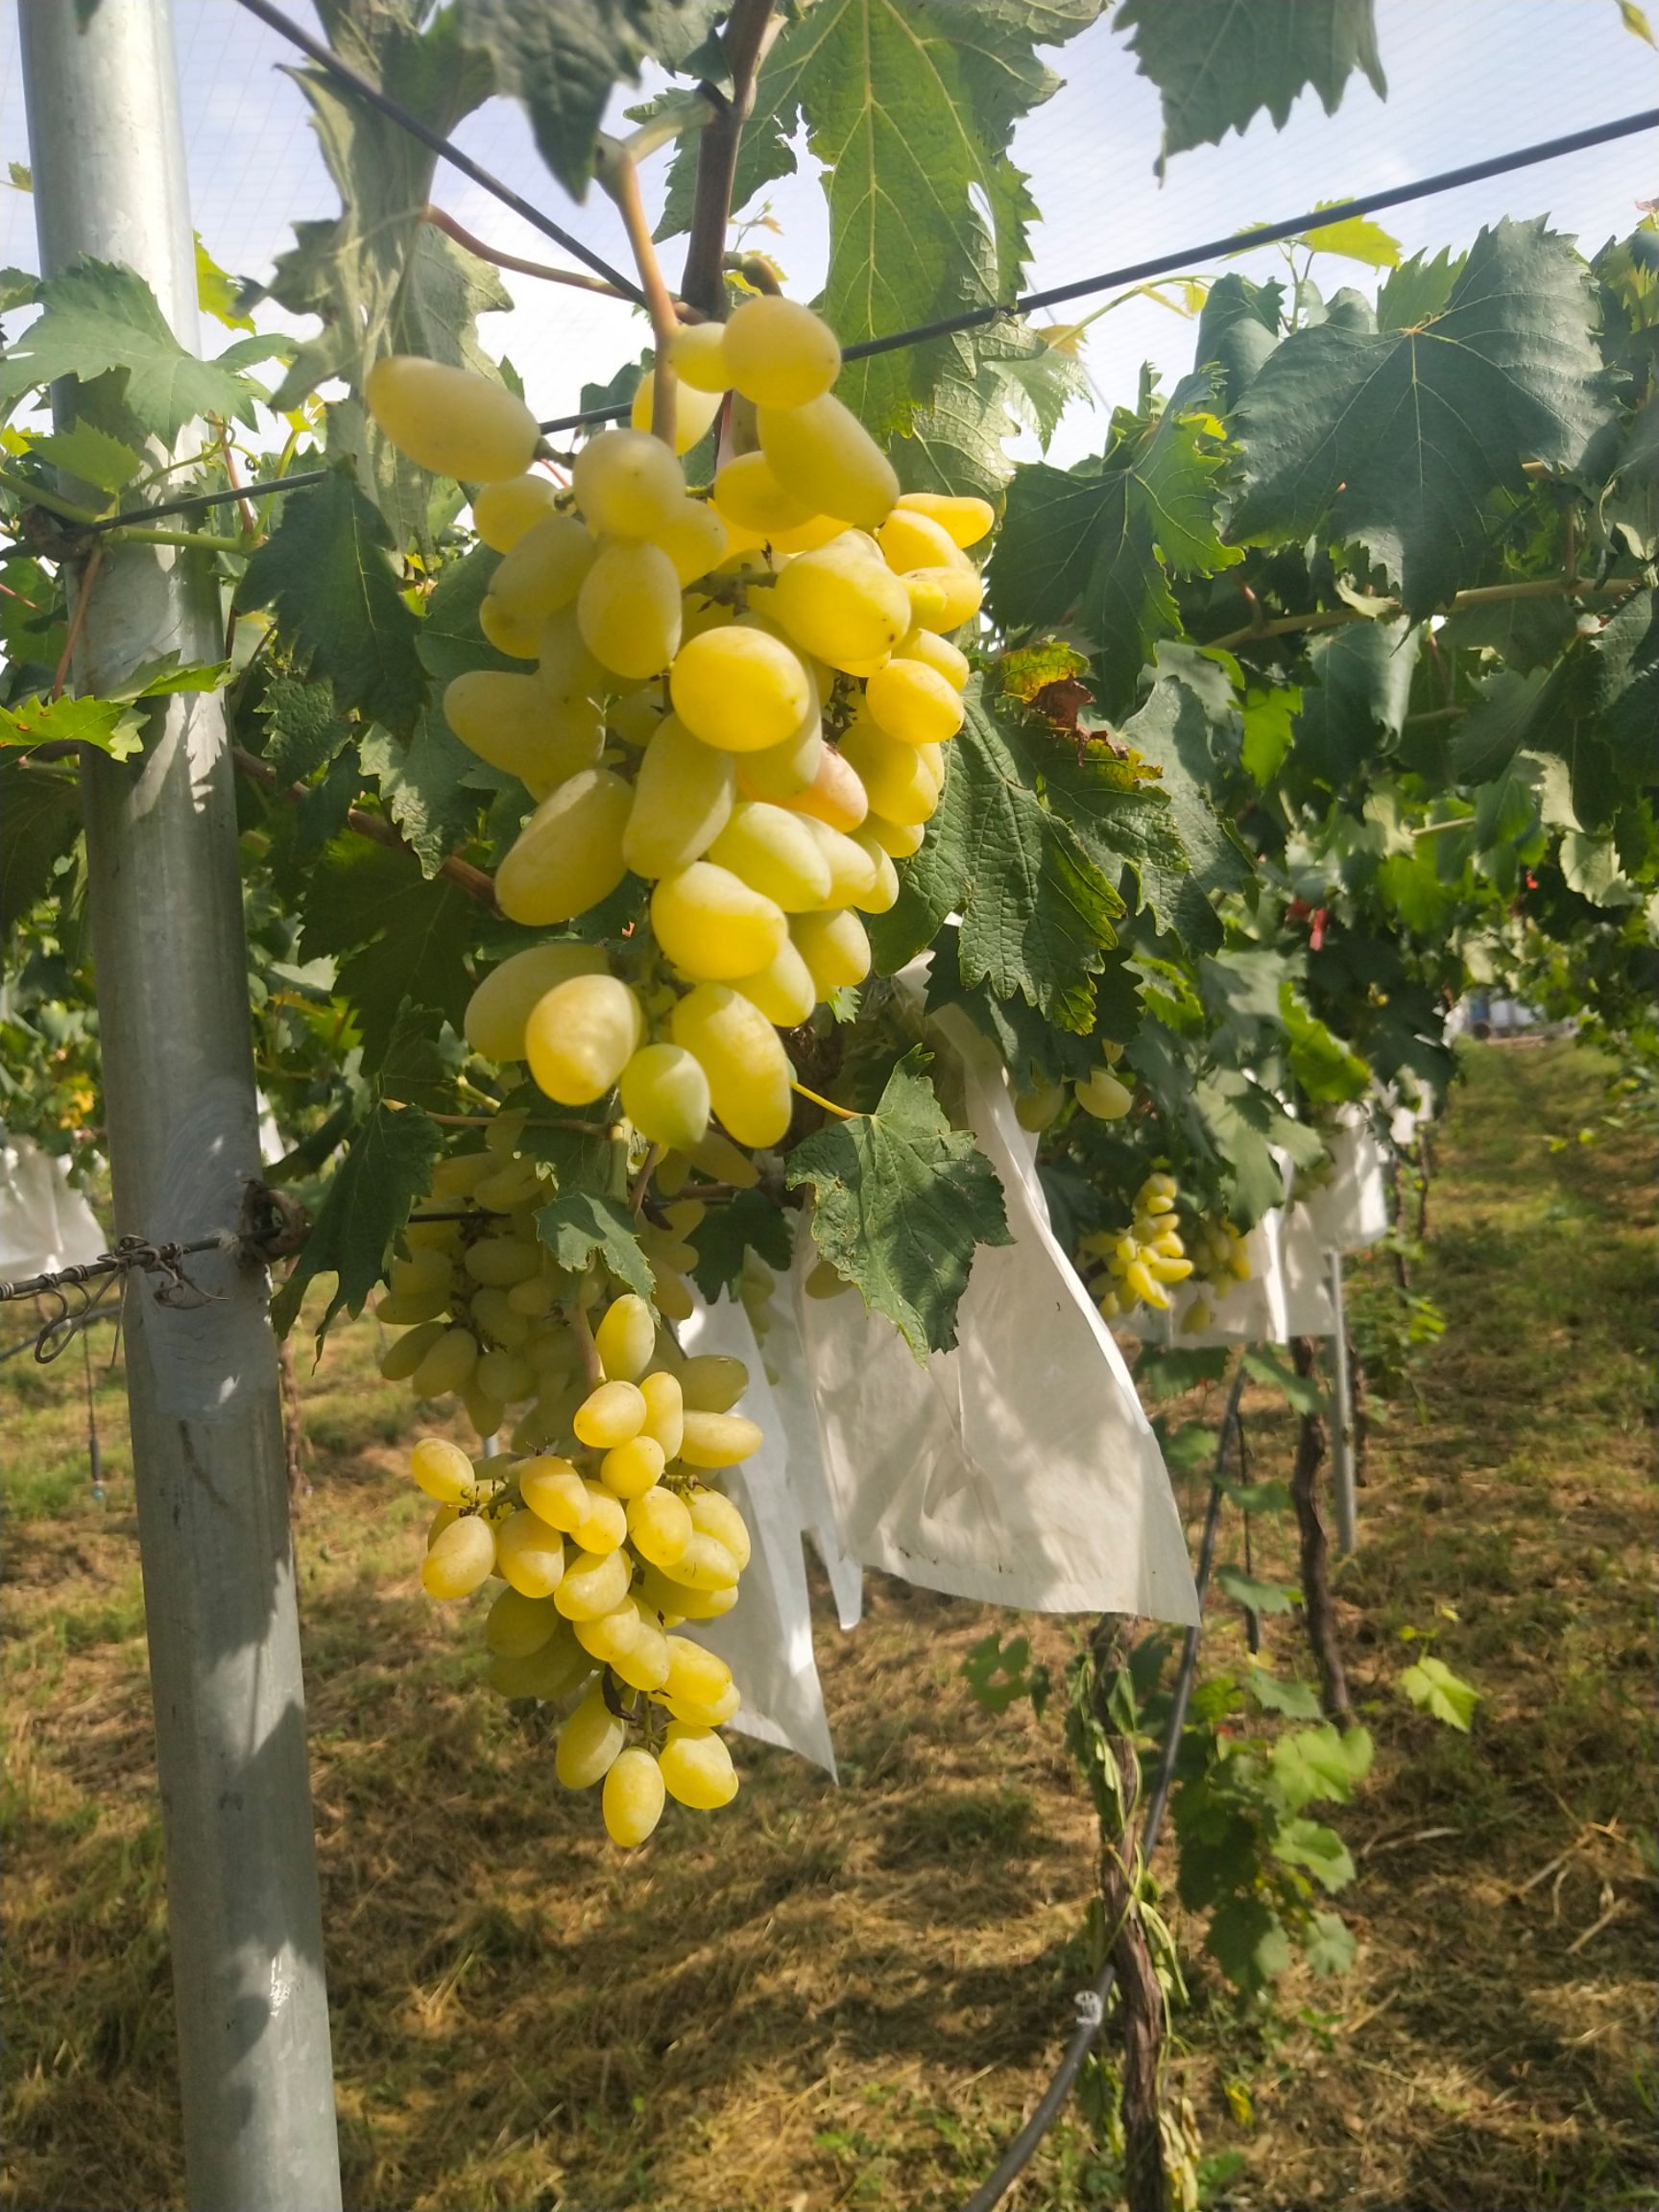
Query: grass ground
(848, 1998)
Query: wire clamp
(1090, 2008)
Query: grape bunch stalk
(604, 1548)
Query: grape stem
(582, 1329)
(620, 178)
(441, 220)
(750, 31)
(642, 1182)
(461, 873)
(841, 1113)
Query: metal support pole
(257, 2085)
(1342, 1417)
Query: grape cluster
(604, 1548)
(1144, 1262)
(741, 699)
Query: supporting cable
(327, 61)
(1215, 248)
(1092, 2002)
(187, 502)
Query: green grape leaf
(1327, 1944)
(432, 787)
(88, 454)
(1327, 1070)
(1434, 1689)
(989, 384)
(327, 572)
(1269, 729)
(1314, 1764)
(1354, 708)
(1318, 1850)
(904, 1201)
(396, 936)
(1494, 727)
(1353, 238)
(1037, 911)
(1296, 1700)
(579, 1225)
(1172, 729)
(1255, 1596)
(911, 109)
(304, 727)
(108, 725)
(1096, 551)
(1299, 1392)
(218, 292)
(729, 1231)
(370, 1198)
(563, 58)
(1217, 65)
(1396, 440)
(40, 822)
(99, 319)
(1237, 328)
(1247, 1940)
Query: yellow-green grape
(719, 1439)
(509, 721)
(665, 1096)
(664, 1420)
(450, 420)
(518, 639)
(962, 590)
(834, 796)
(694, 540)
(696, 1768)
(774, 850)
(682, 801)
(913, 703)
(501, 1005)
(1036, 1108)
(564, 668)
(1139, 1278)
(778, 353)
(965, 520)
(588, 1742)
(712, 1382)
(501, 1375)
(822, 454)
(516, 1626)
(698, 353)
(675, 1600)
(501, 1260)
(936, 653)
(581, 1036)
(634, 718)
(594, 1583)
(672, 1293)
(454, 1177)
(627, 485)
(720, 1160)
(695, 1674)
(824, 1280)
(401, 1359)
(748, 1071)
(714, 1515)
(611, 1415)
(625, 1338)
(706, 1565)
(486, 1413)
(1167, 1267)
(752, 501)
(718, 1711)
(897, 839)
(693, 412)
(713, 926)
(739, 688)
(443, 1470)
(834, 946)
(1197, 1316)
(1102, 1096)
(633, 1798)
(841, 606)
(660, 1527)
(551, 1673)
(446, 1366)
(883, 891)
(784, 989)
(504, 512)
(530, 1555)
(785, 773)
(568, 856)
(604, 1525)
(630, 1642)
(896, 776)
(852, 869)
(543, 573)
(399, 1309)
(629, 606)
(630, 1470)
(908, 538)
(461, 1558)
(554, 1491)
(927, 598)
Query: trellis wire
(330, 63)
(1092, 2002)
(1237, 242)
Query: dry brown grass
(847, 1998)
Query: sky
(1466, 79)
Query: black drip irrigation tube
(1092, 2002)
